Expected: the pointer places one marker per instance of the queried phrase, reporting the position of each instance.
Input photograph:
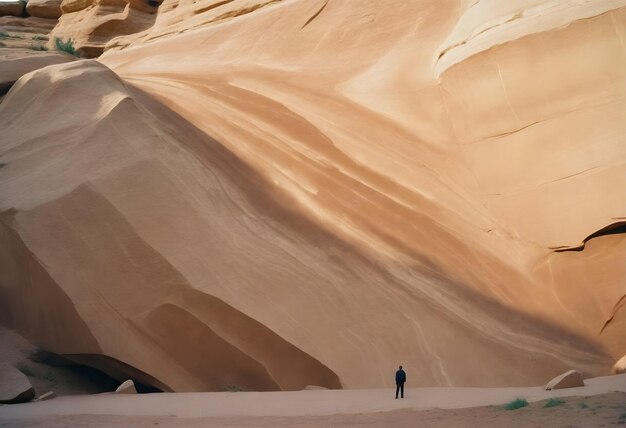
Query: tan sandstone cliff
(269, 195)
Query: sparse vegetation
(39, 48)
(37, 37)
(4, 35)
(553, 402)
(518, 403)
(67, 46)
(583, 405)
(232, 388)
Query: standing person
(400, 379)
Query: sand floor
(605, 410)
(602, 402)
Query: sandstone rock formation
(48, 9)
(102, 20)
(569, 379)
(14, 386)
(127, 387)
(14, 63)
(620, 366)
(312, 190)
(12, 8)
(47, 396)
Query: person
(400, 379)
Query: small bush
(553, 402)
(4, 35)
(40, 38)
(518, 403)
(68, 46)
(232, 388)
(39, 48)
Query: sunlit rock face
(270, 195)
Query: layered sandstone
(48, 9)
(270, 195)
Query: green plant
(4, 35)
(518, 403)
(68, 46)
(232, 388)
(553, 402)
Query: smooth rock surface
(127, 387)
(570, 379)
(47, 396)
(12, 8)
(309, 190)
(14, 63)
(14, 386)
(620, 366)
(48, 9)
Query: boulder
(620, 366)
(69, 6)
(570, 379)
(14, 386)
(11, 8)
(49, 9)
(128, 387)
(47, 396)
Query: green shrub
(4, 35)
(553, 402)
(518, 403)
(68, 46)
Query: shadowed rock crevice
(612, 229)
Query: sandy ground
(605, 410)
(602, 402)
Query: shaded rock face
(14, 386)
(270, 195)
(12, 8)
(570, 379)
(48, 9)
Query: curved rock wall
(317, 173)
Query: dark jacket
(400, 376)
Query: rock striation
(251, 195)
(12, 8)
